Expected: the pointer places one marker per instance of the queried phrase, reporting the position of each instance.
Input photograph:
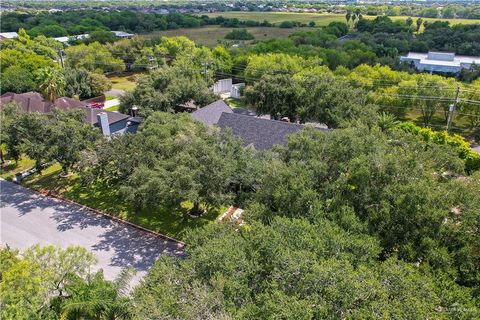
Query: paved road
(28, 218)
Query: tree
(419, 23)
(311, 24)
(166, 88)
(276, 95)
(30, 281)
(96, 298)
(68, 137)
(239, 34)
(93, 57)
(51, 83)
(348, 16)
(33, 133)
(10, 135)
(17, 79)
(101, 36)
(77, 83)
(190, 165)
(409, 21)
(99, 84)
(274, 63)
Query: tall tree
(51, 83)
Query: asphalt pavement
(28, 218)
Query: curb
(54, 195)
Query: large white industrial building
(440, 61)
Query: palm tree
(52, 82)
(97, 299)
(348, 16)
(387, 122)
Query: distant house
(446, 62)
(123, 35)
(66, 39)
(8, 35)
(261, 133)
(109, 122)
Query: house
(210, 114)
(8, 35)
(123, 35)
(261, 133)
(65, 40)
(109, 122)
(445, 62)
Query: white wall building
(8, 35)
(440, 61)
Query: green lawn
(113, 108)
(9, 171)
(236, 103)
(321, 19)
(125, 82)
(173, 222)
(210, 36)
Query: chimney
(102, 118)
(134, 111)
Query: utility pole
(60, 54)
(452, 110)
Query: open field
(211, 35)
(321, 19)
(173, 222)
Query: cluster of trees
(373, 219)
(62, 136)
(239, 34)
(291, 86)
(89, 21)
(380, 40)
(31, 65)
(50, 283)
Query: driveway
(111, 103)
(28, 218)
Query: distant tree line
(79, 22)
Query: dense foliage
(51, 283)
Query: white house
(440, 61)
(123, 35)
(65, 39)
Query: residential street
(28, 218)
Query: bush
(287, 24)
(472, 159)
(239, 34)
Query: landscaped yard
(211, 35)
(173, 222)
(9, 171)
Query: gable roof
(211, 113)
(28, 101)
(113, 117)
(34, 102)
(261, 133)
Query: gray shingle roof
(261, 133)
(211, 113)
(113, 117)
